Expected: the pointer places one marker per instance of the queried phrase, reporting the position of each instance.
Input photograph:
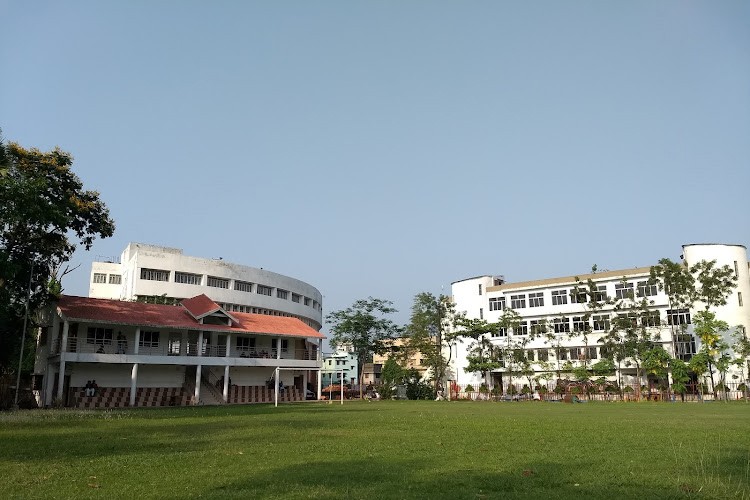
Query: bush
(483, 388)
(419, 390)
(469, 388)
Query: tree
(363, 329)
(710, 330)
(429, 332)
(484, 356)
(44, 213)
(741, 348)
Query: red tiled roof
(164, 316)
(200, 305)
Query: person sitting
(94, 388)
(88, 389)
(281, 386)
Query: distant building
(552, 299)
(155, 274)
(338, 362)
(412, 359)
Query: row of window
(217, 282)
(103, 336)
(576, 296)
(684, 346)
(599, 323)
(114, 279)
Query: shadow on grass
(404, 479)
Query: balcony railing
(175, 349)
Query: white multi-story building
(150, 273)
(568, 316)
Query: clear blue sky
(385, 148)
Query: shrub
(469, 388)
(483, 388)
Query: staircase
(210, 395)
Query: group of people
(90, 388)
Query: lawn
(386, 449)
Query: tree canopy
(44, 213)
(363, 328)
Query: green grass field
(387, 449)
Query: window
(561, 325)
(651, 318)
(500, 332)
(535, 325)
(562, 354)
(245, 343)
(739, 298)
(100, 278)
(154, 274)
(530, 355)
(736, 270)
(601, 323)
(536, 299)
(497, 304)
(574, 353)
(624, 290)
(285, 346)
(282, 294)
(684, 345)
(481, 313)
(296, 297)
(578, 295)
(217, 282)
(627, 320)
(187, 278)
(263, 290)
(580, 324)
(542, 354)
(480, 289)
(243, 286)
(559, 297)
(308, 301)
(517, 301)
(101, 336)
(678, 317)
(521, 329)
(149, 339)
(115, 279)
(600, 295)
(646, 289)
(591, 353)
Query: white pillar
(184, 344)
(320, 381)
(226, 383)
(200, 343)
(137, 340)
(133, 383)
(64, 340)
(197, 383)
(278, 347)
(63, 350)
(276, 386)
(229, 344)
(304, 384)
(49, 388)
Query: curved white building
(149, 273)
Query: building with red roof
(195, 352)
